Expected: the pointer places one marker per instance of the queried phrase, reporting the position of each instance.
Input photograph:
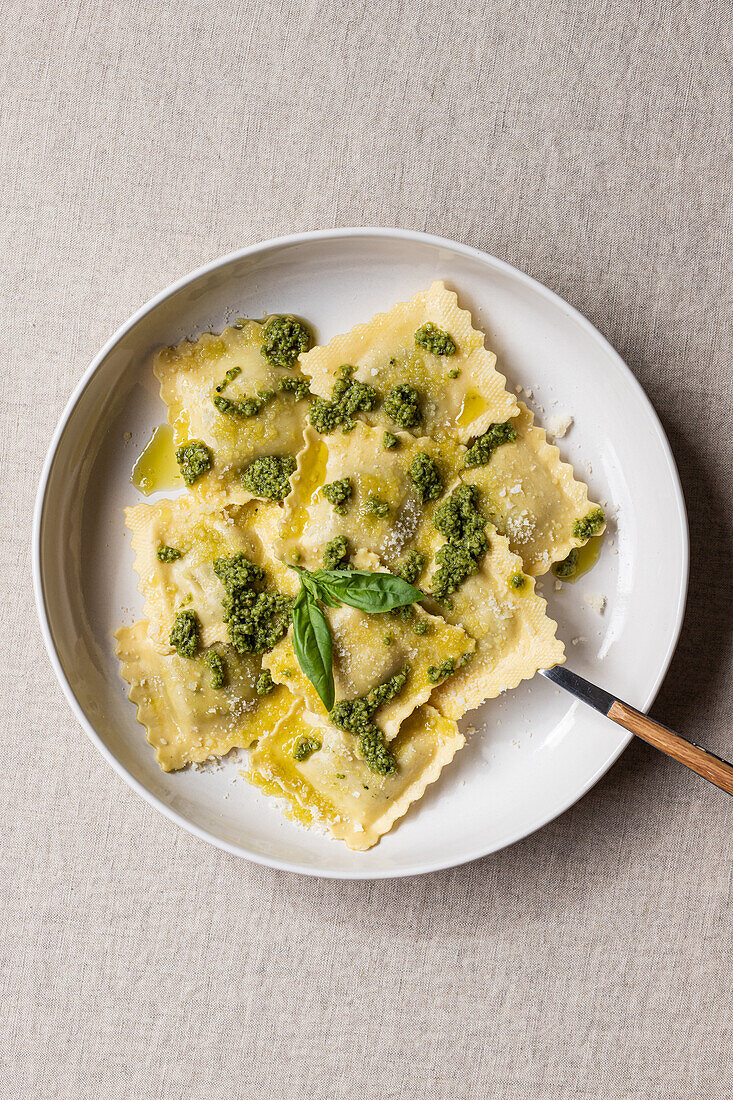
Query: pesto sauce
(336, 553)
(217, 666)
(299, 387)
(185, 635)
(376, 507)
(590, 524)
(168, 553)
(194, 460)
(243, 407)
(390, 441)
(568, 567)
(264, 683)
(269, 476)
(355, 716)
(338, 494)
(402, 406)
(460, 520)
(482, 449)
(426, 477)
(348, 397)
(284, 339)
(446, 668)
(435, 340)
(256, 619)
(411, 568)
(305, 747)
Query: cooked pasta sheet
(515, 637)
(533, 497)
(384, 512)
(176, 543)
(334, 788)
(461, 393)
(186, 719)
(368, 649)
(254, 417)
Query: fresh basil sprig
(366, 591)
(312, 645)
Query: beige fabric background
(587, 142)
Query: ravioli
(334, 788)
(460, 394)
(379, 481)
(514, 635)
(189, 375)
(367, 650)
(405, 403)
(200, 537)
(532, 496)
(186, 719)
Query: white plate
(534, 751)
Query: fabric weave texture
(588, 143)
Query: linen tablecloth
(586, 142)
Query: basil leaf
(366, 591)
(312, 645)
(309, 582)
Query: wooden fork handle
(706, 764)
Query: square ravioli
(187, 719)
(333, 787)
(498, 606)
(381, 501)
(533, 497)
(234, 410)
(176, 543)
(369, 649)
(430, 346)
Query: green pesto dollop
(194, 459)
(299, 387)
(426, 477)
(390, 441)
(420, 626)
(402, 405)
(411, 568)
(348, 397)
(373, 506)
(264, 683)
(269, 476)
(436, 673)
(434, 339)
(482, 449)
(284, 340)
(338, 493)
(185, 637)
(518, 580)
(460, 520)
(589, 525)
(305, 747)
(336, 553)
(454, 373)
(355, 716)
(217, 666)
(243, 407)
(256, 619)
(168, 553)
(568, 567)
(230, 375)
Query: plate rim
(426, 867)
